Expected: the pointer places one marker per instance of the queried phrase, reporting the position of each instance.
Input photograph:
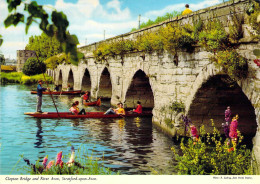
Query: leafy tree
(2, 59)
(1, 40)
(57, 27)
(34, 66)
(44, 46)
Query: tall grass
(20, 78)
(158, 19)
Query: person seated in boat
(119, 110)
(75, 110)
(86, 97)
(69, 88)
(56, 88)
(139, 108)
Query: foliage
(255, 13)
(213, 155)
(44, 46)
(233, 64)
(33, 66)
(256, 52)
(81, 165)
(1, 40)
(54, 61)
(169, 122)
(235, 29)
(57, 28)
(177, 107)
(213, 37)
(2, 59)
(20, 78)
(174, 37)
(158, 19)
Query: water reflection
(39, 137)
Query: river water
(132, 146)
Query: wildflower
(50, 164)
(58, 159)
(72, 157)
(44, 162)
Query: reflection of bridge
(157, 82)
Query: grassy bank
(20, 78)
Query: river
(132, 146)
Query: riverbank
(20, 78)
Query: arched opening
(211, 101)
(140, 90)
(71, 80)
(86, 82)
(60, 79)
(105, 86)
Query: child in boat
(139, 108)
(119, 110)
(86, 96)
(75, 110)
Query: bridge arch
(212, 93)
(105, 85)
(86, 80)
(139, 89)
(70, 79)
(60, 78)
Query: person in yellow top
(119, 110)
(187, 10)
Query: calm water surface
(128, 145)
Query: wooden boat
(69, 115)
(76, 92)
(95, 103)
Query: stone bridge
(157, 81)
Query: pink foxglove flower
(58, 159)
(44, 162)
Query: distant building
(9, 61)
(8, 68)
(22, 56)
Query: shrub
(233, 64)
(213, 156)
(32, 67)
(213, 37)
(253, 17)
(178, 107)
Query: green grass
(20, 78)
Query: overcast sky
(89, 18)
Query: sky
(89, 19)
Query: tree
(44, 46)
(2, 59)
(33, 66)
(57, 27)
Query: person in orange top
(187, 10)
(119, 110)
(86, 96)
(139, 108)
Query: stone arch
(105, 85)
(211, 94)
(60, 78)
(86, 81)
(139, 89)
(71, 79)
